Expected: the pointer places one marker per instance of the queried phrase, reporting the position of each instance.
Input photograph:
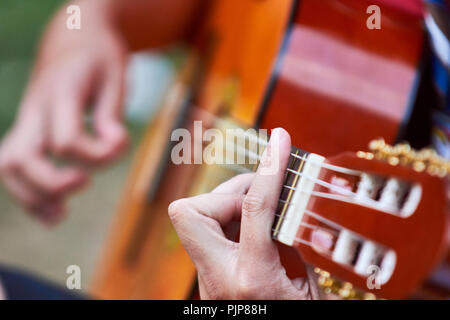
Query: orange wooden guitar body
(312, 67)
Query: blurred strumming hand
(76, 72)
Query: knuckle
(119, 53)
(246, 292)
(253, 205)
(62, 148)
(121, 141)
(52, 184)
(217, 295)
(124, 139)
(54, 189)
(11, 163)
(31, 205)
(4, 165)
(246, 287)
(216, 290)
(26, 201)
(177, 210)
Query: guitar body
(312, 67)
(340, 84)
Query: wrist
(98, 12)
(97, 22)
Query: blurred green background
(21, 24)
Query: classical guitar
(312, 67)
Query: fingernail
(322, 240)
(269, 164)
(275, 136)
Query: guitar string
(331, 187)
(321, 164)
(264, 142)
(369, 202)
(300, 240)
(242, 168)
(317, 216)
(314, 227)
(330, 166)
(315, 180)
(366, 201)
(323, 183)
(308, 243)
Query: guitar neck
(296, 164)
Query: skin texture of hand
(74, 69)
(250, 268)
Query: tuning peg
(402, 154)
(344, 290)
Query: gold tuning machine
(342, 289)
(402, 154)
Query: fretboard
(291, 179)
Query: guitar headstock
(386, 215)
